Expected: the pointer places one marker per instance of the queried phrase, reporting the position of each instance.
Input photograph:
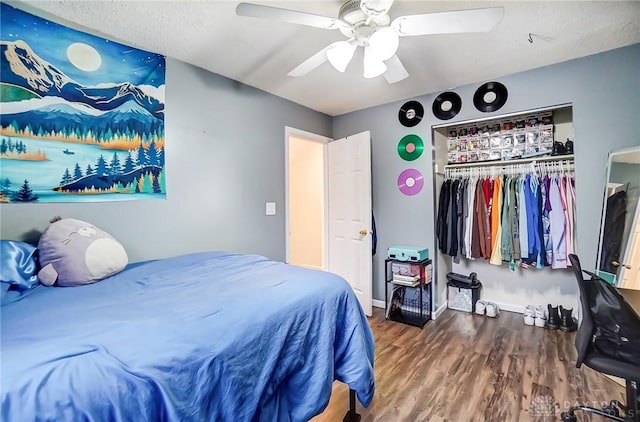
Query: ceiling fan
(366, 23)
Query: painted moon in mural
(84, 57)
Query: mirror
(619, 245)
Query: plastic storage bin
(462, 292)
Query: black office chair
(603, 307)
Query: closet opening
(534, 148)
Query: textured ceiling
(260, 53)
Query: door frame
(289, 132)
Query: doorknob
(363, 232)
(617, 264)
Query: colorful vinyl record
(490, 97)
(446, 105)
(410, 182)
(410, 147)
(411, 113)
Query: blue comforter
(202, 337)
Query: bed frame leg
(351, 415)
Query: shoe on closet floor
(568, 323)
(492, 310)
(481, 306)
(541, 318)
(529, 315)
(553, 318)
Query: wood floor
(465, 367)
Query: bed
(209, 336)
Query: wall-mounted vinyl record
(410, 182)
(410, 147)
(490, 97)
(411, 113)
(446, 105)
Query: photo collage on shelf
(505, 139)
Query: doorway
(306, 199)
(328, 207)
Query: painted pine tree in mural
(25, 194)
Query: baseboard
(502, 306)
(439, 311)
(434, 315)
(509, 308)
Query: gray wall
(225, 159)
(604, 90)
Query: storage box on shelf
(408, 291)
(527, 135)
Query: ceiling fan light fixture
(384, 42)
(340, 54)
(373, 65)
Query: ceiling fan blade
(395, 70)
(473, 20)
(311, 63)
(290, 16)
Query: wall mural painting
(81, 117)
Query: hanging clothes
(478, 244)
(557, 220)
(519, 215)
(522, 219)
(441, 222)
(571, 201)
(452, 236)
(496, 226)
(546, 220)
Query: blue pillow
(4, 288)
(18, 265)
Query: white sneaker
(541, 318)
(480, 307)
(529, 315)
(492, 310)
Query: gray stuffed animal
(73, 252)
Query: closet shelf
(568, 157)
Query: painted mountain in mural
(22, 67)
(63, 117)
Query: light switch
(271, 208)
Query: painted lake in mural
(65, 157)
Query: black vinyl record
(410, 113)
(446, 105)
(490, 97)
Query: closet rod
(534, 160)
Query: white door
(350, 214)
